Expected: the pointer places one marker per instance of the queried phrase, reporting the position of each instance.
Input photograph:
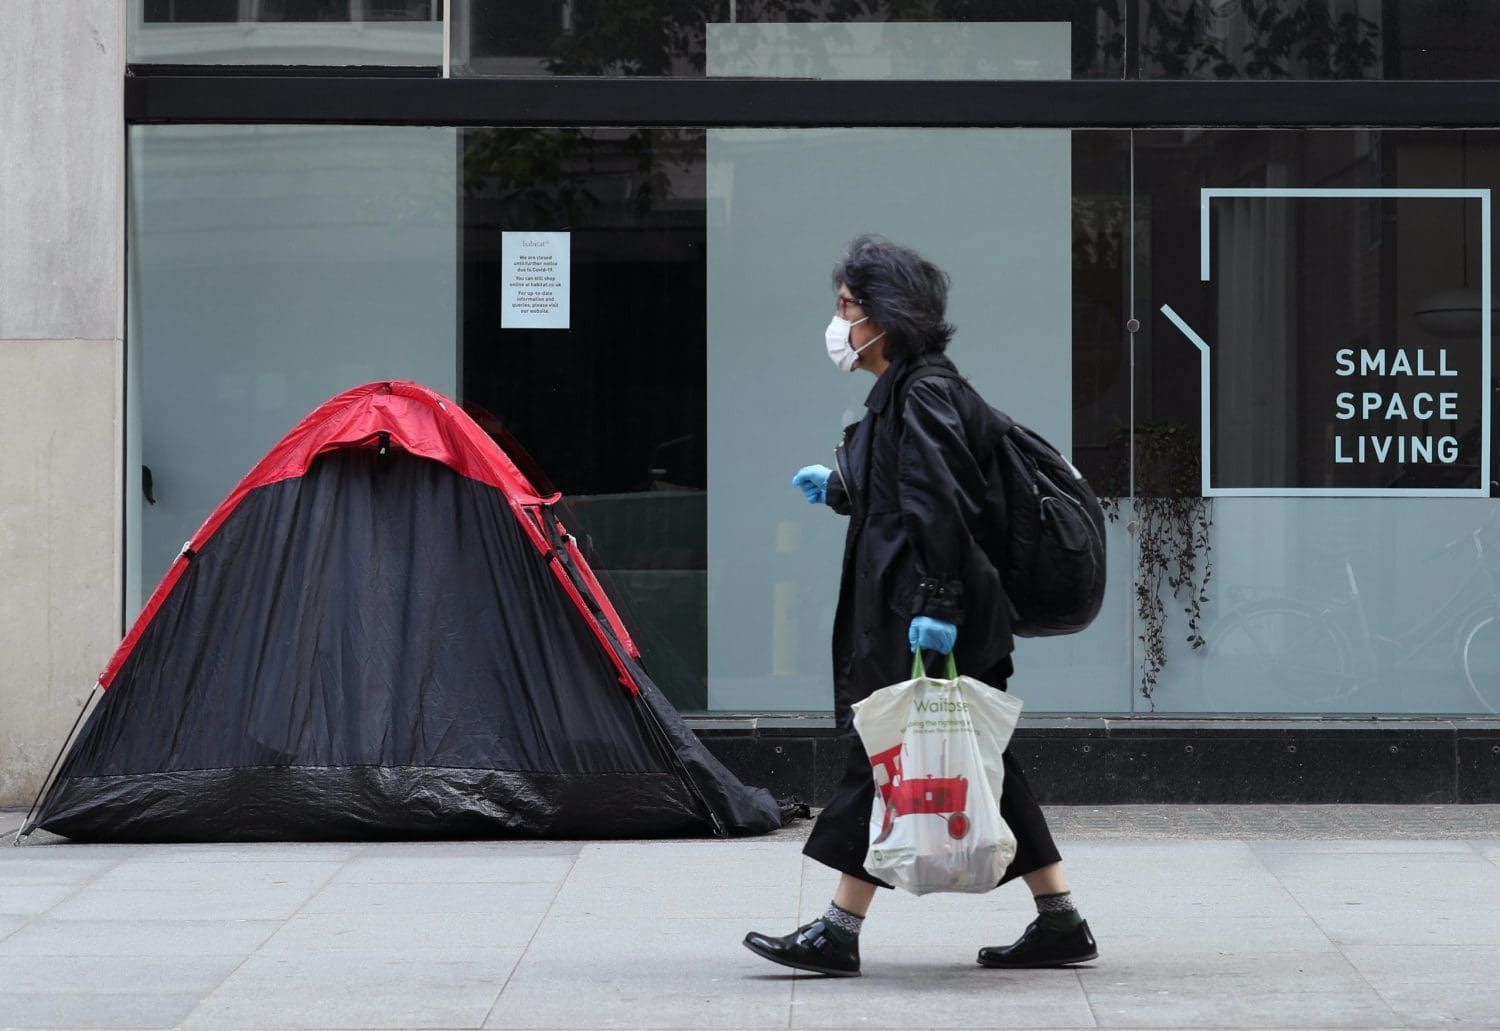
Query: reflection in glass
(1318, 39)
(1305, 649)
(312, 32)
(183, 11)
(1260, 39)
(675, 37)
(1480, 641)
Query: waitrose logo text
(924, 705)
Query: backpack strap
(922, 372)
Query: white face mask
(836, 339)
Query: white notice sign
(537, 273)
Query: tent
(385, 631)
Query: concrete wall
(62, 176)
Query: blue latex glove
(932, 634)
(812, 480)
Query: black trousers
(841, 836)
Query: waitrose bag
(935, 748)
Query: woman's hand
(812, 480)
(932, 634)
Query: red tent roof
(423, 423)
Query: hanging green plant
(1171, 525)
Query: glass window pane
(608, 401)
(1034, 249)
(988, 39)
(271, 267)
(1316, 331)
(290, 32)
(1318, 39)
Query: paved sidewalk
(1202, 922)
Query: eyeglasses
(845, 303)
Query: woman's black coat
(911, 478)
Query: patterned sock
(1057, 912)
(842, 925)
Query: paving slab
(1407, 869)
(261, 902)
(390, 987)
(362, 932)
(31, 899)
(76, 1011)
(496, 849)
(1227, 1005)
(742, 862)
(150, 875)
(1417, 926)
(1490, 850)
(45, 936)
(1456, 966)
(241, 854)
(122, 974)
(494, 868)
(921, 988)
(490, 900)
(1247, 971)
(53, 848)
(681, 973)
(60, 850)
(689, 880)
(1420, 1005)
(56, 871)
(1245, 935)
(1364, 846)
(1263, 822)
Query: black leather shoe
(809, 947)
(1039, 947)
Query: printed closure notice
(538, 274)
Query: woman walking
(913, 577)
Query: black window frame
(164, 96)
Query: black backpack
(1043, 526)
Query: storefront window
(868, 39)
(683, 383)
(1276, 350)
(1318, 39)
(1316, 319)
(286, 32)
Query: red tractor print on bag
(947, 797)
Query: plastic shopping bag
(935, 747)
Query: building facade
(1233, 256)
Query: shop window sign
(1391, 423)
(538, 280)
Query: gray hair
(899, 289)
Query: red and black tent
(386, 631)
